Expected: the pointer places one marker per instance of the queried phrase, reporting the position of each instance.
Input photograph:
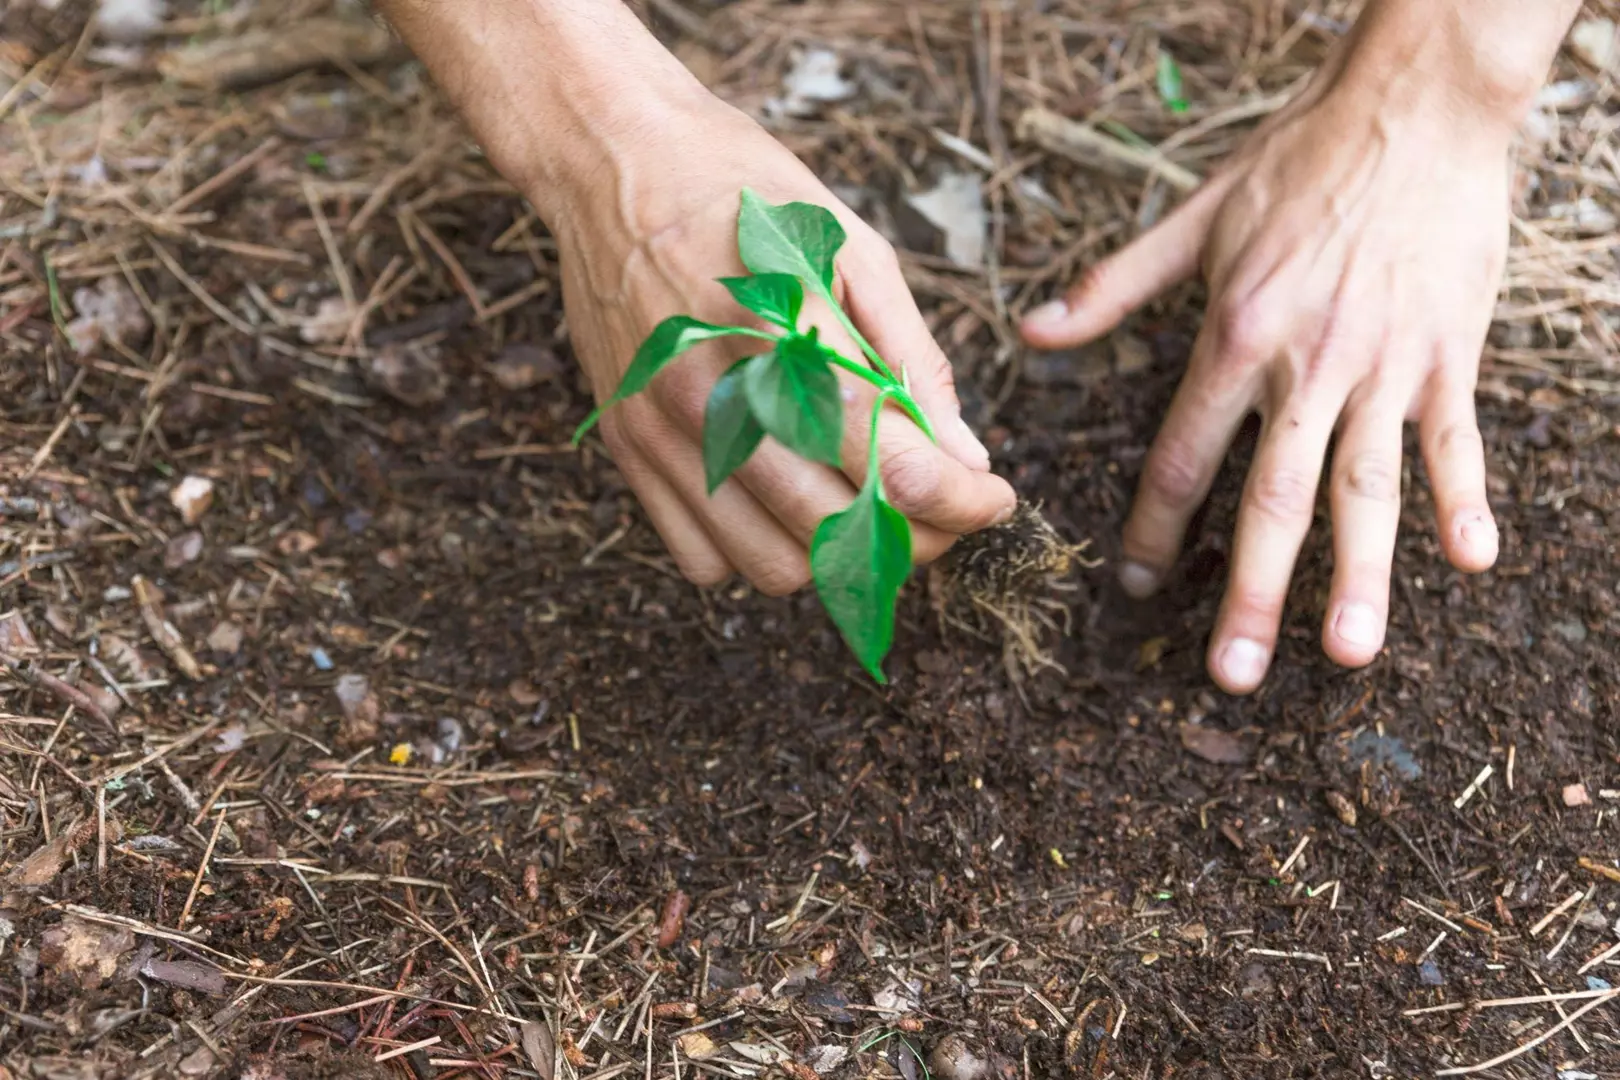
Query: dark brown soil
(1107, 870)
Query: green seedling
(859, 557)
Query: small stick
(1313, 957)
(44, 452)
(1299, 849)
(1513, 752)
(1607, 996)
(339, 269)
(164, 632)
(202, 868)
(1599, 869)
(1436, 916)
(1606, 954)
(1089, 147)
(1575, 920)
(1573, 899)
(223, 177)
(446, 256)
(64, 691)
(431, 1040)
(1469, 791)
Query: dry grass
(290, 239)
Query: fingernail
(1006, 515)
(1479, 532)
(1358, 624)
(973, 440)
(1243, 662)
(1048, 315)
(1138, 581)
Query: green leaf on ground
(859, 558)
(668, 340)
(1171, 90)
(730, 432)
(798, 239)
(776, 298)
(795, 396)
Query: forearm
(1479, 61)
(550, 87)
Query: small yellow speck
(1057, 858)
(978, 783)
(400, 754)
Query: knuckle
(1459, 439)
(1246, 331)
(1172, 474)
(702, 571)
(911, 477)
(1256, 606)
(1281, 494)
(782, 578)
(1373, 476)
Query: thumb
(881, 305)
(1165, 255)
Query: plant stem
(873, 475)
(890, 386)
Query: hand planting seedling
(860, 556)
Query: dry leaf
(1213, 744)
(696, 1045)
(190, 974)
(539, 1048)
(45, 863)
(955, 206)
(82, 953)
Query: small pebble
(1429, 974)
(192, 497)
(1575, 795)
(322, 661)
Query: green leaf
(668, 340)
(799, 239)
(794, 395)
(777, 298)
(859, 559)
(730, 432)
(1170, 86)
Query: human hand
(648, 242)
(1353, 251)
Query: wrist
(1473, 65)
(554, 90)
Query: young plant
(861, 556)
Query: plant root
(997, 582)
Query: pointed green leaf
(800, 239)
(777, 298)
(730, 432)
(1170, 86)
(859, 559)
(668, 340)
(794, 395)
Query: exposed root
(997, 581)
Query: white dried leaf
(760, 1053)
(1593, 40)
(898, 997)
(107, 311)
(955, 206)
(813, 80)
(130, 20)
(825, 1059)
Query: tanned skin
(1353, 249)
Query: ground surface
(1108, 871)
